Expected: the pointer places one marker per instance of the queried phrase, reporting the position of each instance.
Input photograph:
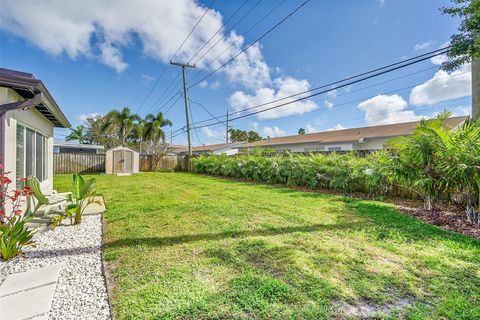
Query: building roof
(78, 145)
(350, 135)
(211, 147)
(28, 87)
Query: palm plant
(121, 122)
(460, 162)
(78, 134)
(416, 166)
(152, 130)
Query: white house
(220, 148)
(366, 138)
(28, 114)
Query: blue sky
(96, 56)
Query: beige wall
(30, 118)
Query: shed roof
(350, 135)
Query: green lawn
(187, 246)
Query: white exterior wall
(227, 150)
(30, 118)
(305, 147)
(371, 144)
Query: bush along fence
(436, 163)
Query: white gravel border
(81, 291)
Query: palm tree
(152, 130)
(77, 134)
(122, 123)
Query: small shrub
(14, 233)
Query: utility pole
(226, 134)
(185, 95)
(171, 136)
(475, 88)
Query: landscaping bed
(81, 291)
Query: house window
(334, 148)
(31, 154)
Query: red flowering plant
(14, 233)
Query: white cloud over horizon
(424, 45)
(210, 133)
(443, 86)
(338, 126)
(273, 131)
(386, 109)
(282, 87)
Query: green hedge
(339, 172)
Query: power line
(244, 34)
(358, 100)
(166, 65)
(342, 104)
(361, 77)
(201, 105)
(251, 44)
(226, 32)
(220, 29)
(194, 27)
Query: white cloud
(210, 133)
(255, 125)
(273, 131)
(83, 117)
(424, 45)
(283, 87)
(336, 127)
(309, 128)
(147, 77)
(384, 109)
(101, 30)
(210, 85)
(328, 104)
(443, 87)
(249, 69)
(462, 110)
(438, 60)
(332, 94)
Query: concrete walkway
(28, 295)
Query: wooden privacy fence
(78, 163)
(166, 163)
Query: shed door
(117, 161)
(128, 161)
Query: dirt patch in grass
(452, 219)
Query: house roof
(350, 135)
(27, 86)
(211, 147)
(78, 145)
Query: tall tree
(77, 134)
(153, 127)
(237, 135)
(121, 123)
(253, 136)
(466, 43)
(301, 131)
